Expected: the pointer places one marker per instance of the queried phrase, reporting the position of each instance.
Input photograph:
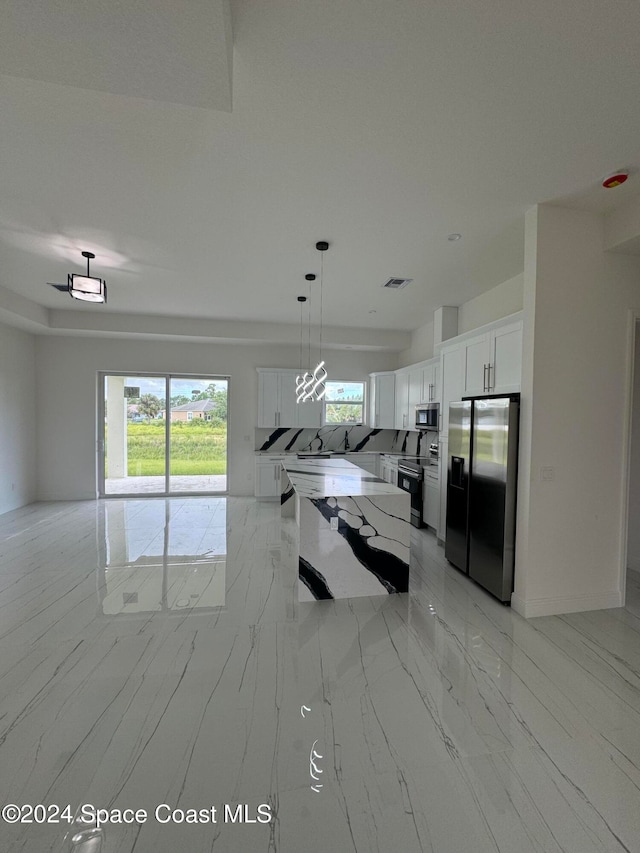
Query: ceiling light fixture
(87, 288)
(452, 238)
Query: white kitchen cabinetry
(486, 363)
(382, 400)
(493, 361)
(389, 470)
(506, 359)
(277, 405)
(431, 382)
(416, 394)
(402, 401)
(477, 354)
(431, 498)
(443, 465)
(417, 384)
(452, 372)
(267, 476)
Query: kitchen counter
(354, 529)
(311, 454)
(321, 478)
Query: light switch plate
(546, 473)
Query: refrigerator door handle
(457, 472)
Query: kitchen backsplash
(332, 438)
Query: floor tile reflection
(154, 651)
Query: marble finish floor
(153, 651)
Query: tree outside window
(344, 402)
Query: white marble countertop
(336, 453)
(321, 478)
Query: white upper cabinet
(382, 400)
(486, 363)
(277, 406)
(493, 361)
(452, 369)
(402, 401)
(416, 394)
(476, 360)
(417, 384)
(431, 382)
(506, 359)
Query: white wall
(67, 392)
(575, 372)
(18, 413)
(500, 301)
(633, 552)
(421, 346)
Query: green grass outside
(197, 448)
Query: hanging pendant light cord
(321, 294)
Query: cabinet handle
(484, 378)
(404, 420)
(491, 379)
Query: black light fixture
(87, 288)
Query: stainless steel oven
(427, 416)
(410, 477)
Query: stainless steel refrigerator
(482, 474)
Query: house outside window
(189, 416)
(344, 402)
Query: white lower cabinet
(267, 476)
(431, 499)
(389, 470)
(443, 465)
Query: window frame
(326, 403)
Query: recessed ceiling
(380, 127)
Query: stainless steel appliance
(434, 451)
(410, 479)
(482, 473)
(427, 415)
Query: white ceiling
(379, 126)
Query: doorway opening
(162, 434)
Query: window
(189, 416)
(344, 403)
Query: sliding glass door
(162, 434)
(198, 435)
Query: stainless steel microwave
(427, 416)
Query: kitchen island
(354, 529)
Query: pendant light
(320, 373)
(87, 287)
(311, 385)
(303, 379)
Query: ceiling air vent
(397, 283)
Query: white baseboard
(565, 604)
